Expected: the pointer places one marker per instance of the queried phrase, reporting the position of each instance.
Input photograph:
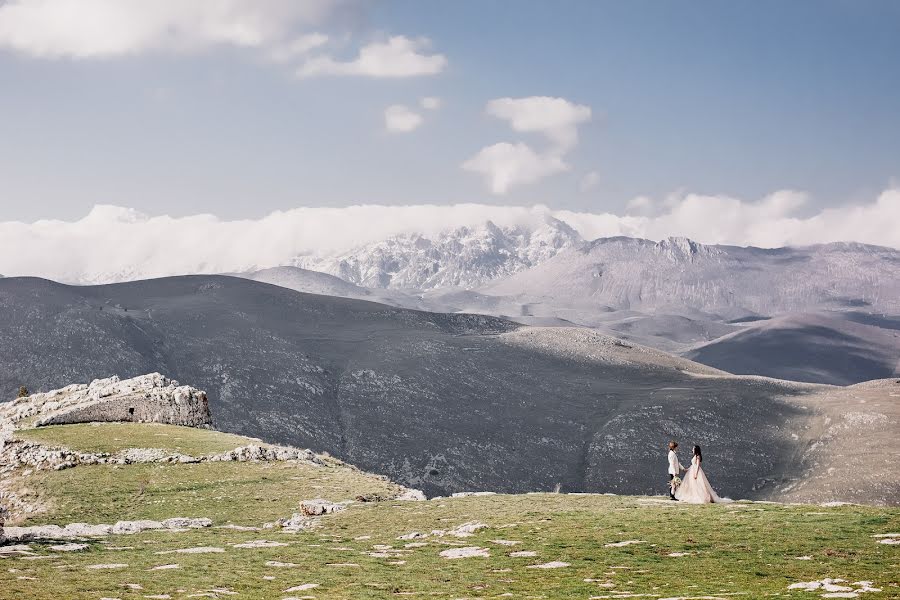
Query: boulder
(412, 495)
(318, 507)
(297, 522)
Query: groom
(674, 468)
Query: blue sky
(718, 98)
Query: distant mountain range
(716, 304)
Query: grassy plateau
(573, 545)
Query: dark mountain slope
(443, 402)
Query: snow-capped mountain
(464, 257)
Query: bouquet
(676, 481)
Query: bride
(695, 488)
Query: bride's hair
(698, 454)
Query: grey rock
(132, 527)
(186, 523)
(411, 495)
(467, 529)
(318, 507)
(297, 522)
(85, 530)
(255, 452)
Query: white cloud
(769, 223)
(400, 119)
(107, 28)
(297, 47)
(399, 56)
(590, 180)
(556, 118)
(507, 165)
(114, 244)
(431, 103)
(284, 31)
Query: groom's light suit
(674, 469)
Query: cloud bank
(116, 244)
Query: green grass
(113, 437)
(749, 550)
(245, 493)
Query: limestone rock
(16, 453)
(467, 529)
(412, 495)
(186, 523)
(69, 547)
(84, 530)
(151, 398)
(317, 507)
(297, 522)
(253, 452)
(132, 527)
(467, 552)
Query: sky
(240, 108)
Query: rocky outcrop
(252, 452)
(84, 530)
(151, 398)
(16, 453)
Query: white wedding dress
(696, 490)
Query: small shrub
(23, 392)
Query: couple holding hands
(694, 488)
